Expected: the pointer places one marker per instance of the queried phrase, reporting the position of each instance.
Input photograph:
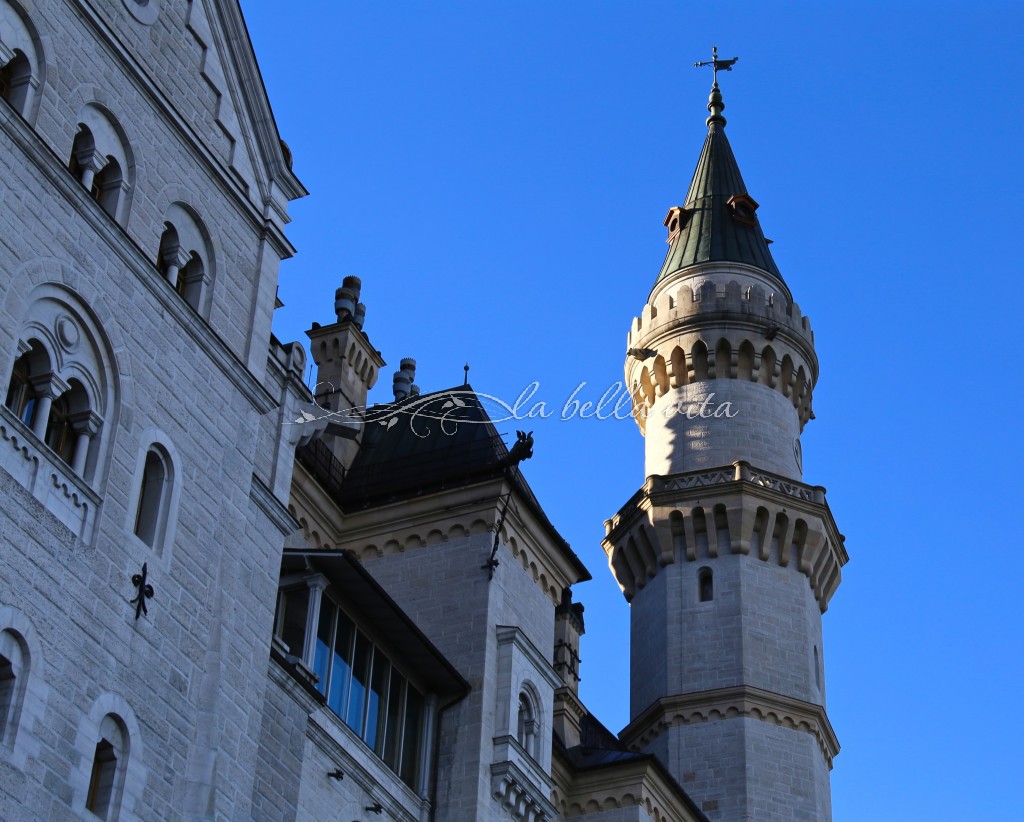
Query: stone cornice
(516, 792)
(623, 784)
(270, 505)
(568, 702)
(728, 703)
(656, 526)
(436, 517)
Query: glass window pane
(360, 683)
(341, 666)
(411, 737)
(376, 702)
(322, 651)
(393, 729)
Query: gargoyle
(522, 449)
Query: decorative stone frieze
(735, 509)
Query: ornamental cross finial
(716, 64)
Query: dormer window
(742, 208)
(675, 221)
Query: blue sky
(497, 174)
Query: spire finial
(715, 104)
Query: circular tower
(727, 558)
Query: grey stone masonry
(139, 382)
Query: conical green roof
(719, 223)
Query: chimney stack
(402, 385)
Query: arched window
(190, 280)
(12, 681)
(22, 65)
(22, 391)
(526, 725)
(107, 186)
(185, 257)
(705, 585)
(59, 435)
(15, 77)
(154, 498)
(108, 764)
(102, 161)
(82, 163)
(167, 260)
(71, 426)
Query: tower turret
(727, 557)
(347, 365)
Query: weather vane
(716, 64)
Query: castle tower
(727, 558)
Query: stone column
(48, 387)
(85, 425)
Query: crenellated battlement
(695, 356)
(735, 509)
(721, 322)
(747, 302)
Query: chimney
(402, 385)
(346, 298)
(568, 630)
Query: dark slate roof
(711, 233)
(424, 444)
(600, 748)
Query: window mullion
(316, 586)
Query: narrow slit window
(706, 585)
(8, 694)
(152, 493)
(101, 783)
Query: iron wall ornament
(145, 591)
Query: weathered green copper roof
(711, 233)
